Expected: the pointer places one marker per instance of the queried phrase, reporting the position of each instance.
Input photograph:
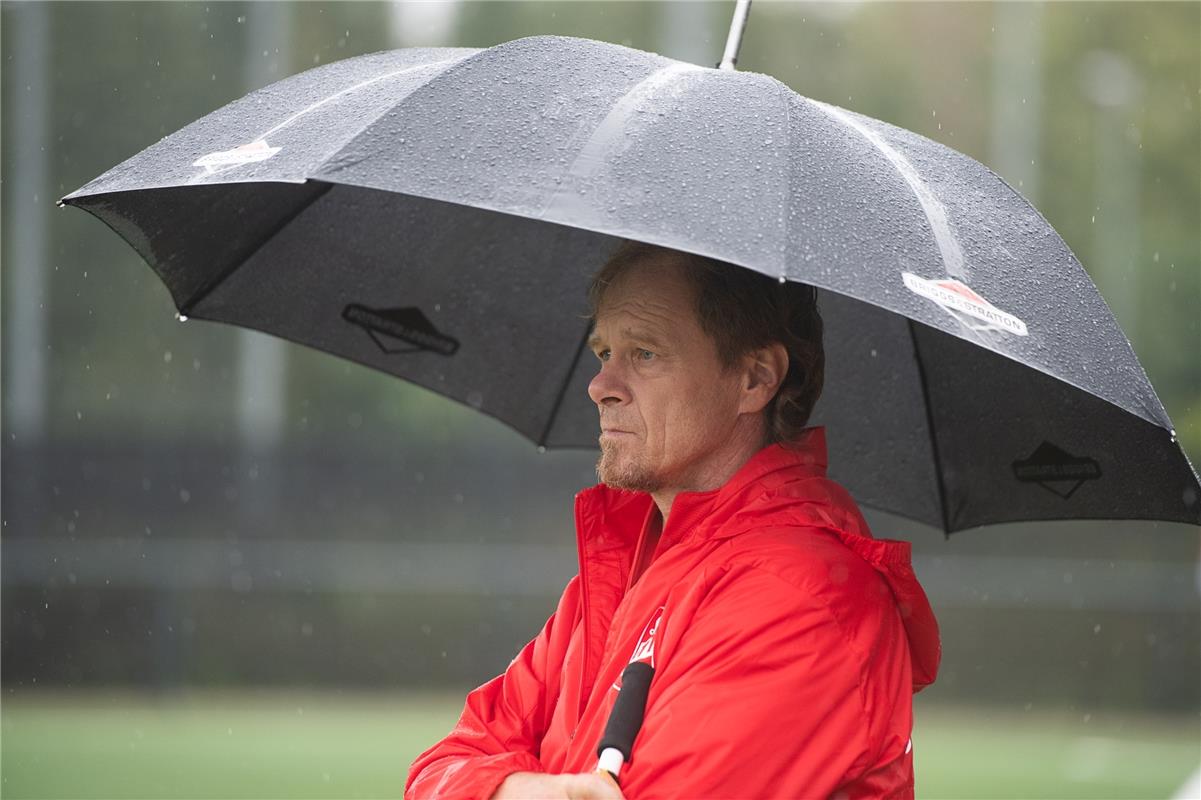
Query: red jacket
(788, 649)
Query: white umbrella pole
(742, 9)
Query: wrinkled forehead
(652, 306)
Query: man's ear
(763, 372)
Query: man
(786, 641)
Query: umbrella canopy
(436, 214)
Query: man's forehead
(640, 333)
(640, 310)
(649, 287)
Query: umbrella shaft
(742, 9)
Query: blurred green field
(344, 745)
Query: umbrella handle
(742, 10)
(625, 720)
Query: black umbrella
(436, 213)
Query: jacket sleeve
(766, 693)
(501, 728)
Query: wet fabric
(435, 213)
(787, 644)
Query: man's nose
(607, 387)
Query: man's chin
(631, 477)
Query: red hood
(778, 487)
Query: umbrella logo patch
(961, 302)
(243, 154)
(1056, 470)
(388, 326)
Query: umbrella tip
(60, 203)
(541, 448)
(181, 317)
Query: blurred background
(234, 567)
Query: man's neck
(716, 470)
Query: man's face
(666, 404)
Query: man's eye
(603, 355)
(645, 355)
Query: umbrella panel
(1017, 444)
(490, 309)
(482, 307)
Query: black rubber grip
(625, 720)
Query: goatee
(630, 475)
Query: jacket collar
(615, 518)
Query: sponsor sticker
(243, 154)
(963, 303)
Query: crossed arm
(774, 707)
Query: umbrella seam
(330, 166)
(325, 167)
(782, 91)
(356, 87)
(921, 373)
(554, 411)
(207, 288)
(600, 141)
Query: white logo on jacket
(645, 650)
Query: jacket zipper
(579, 534)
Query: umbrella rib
(921, 375)
(933, 208)
(216, 280)
(782, 91)
(349, 89)
(610, 130)
(554, 412)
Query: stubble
(623, 471)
